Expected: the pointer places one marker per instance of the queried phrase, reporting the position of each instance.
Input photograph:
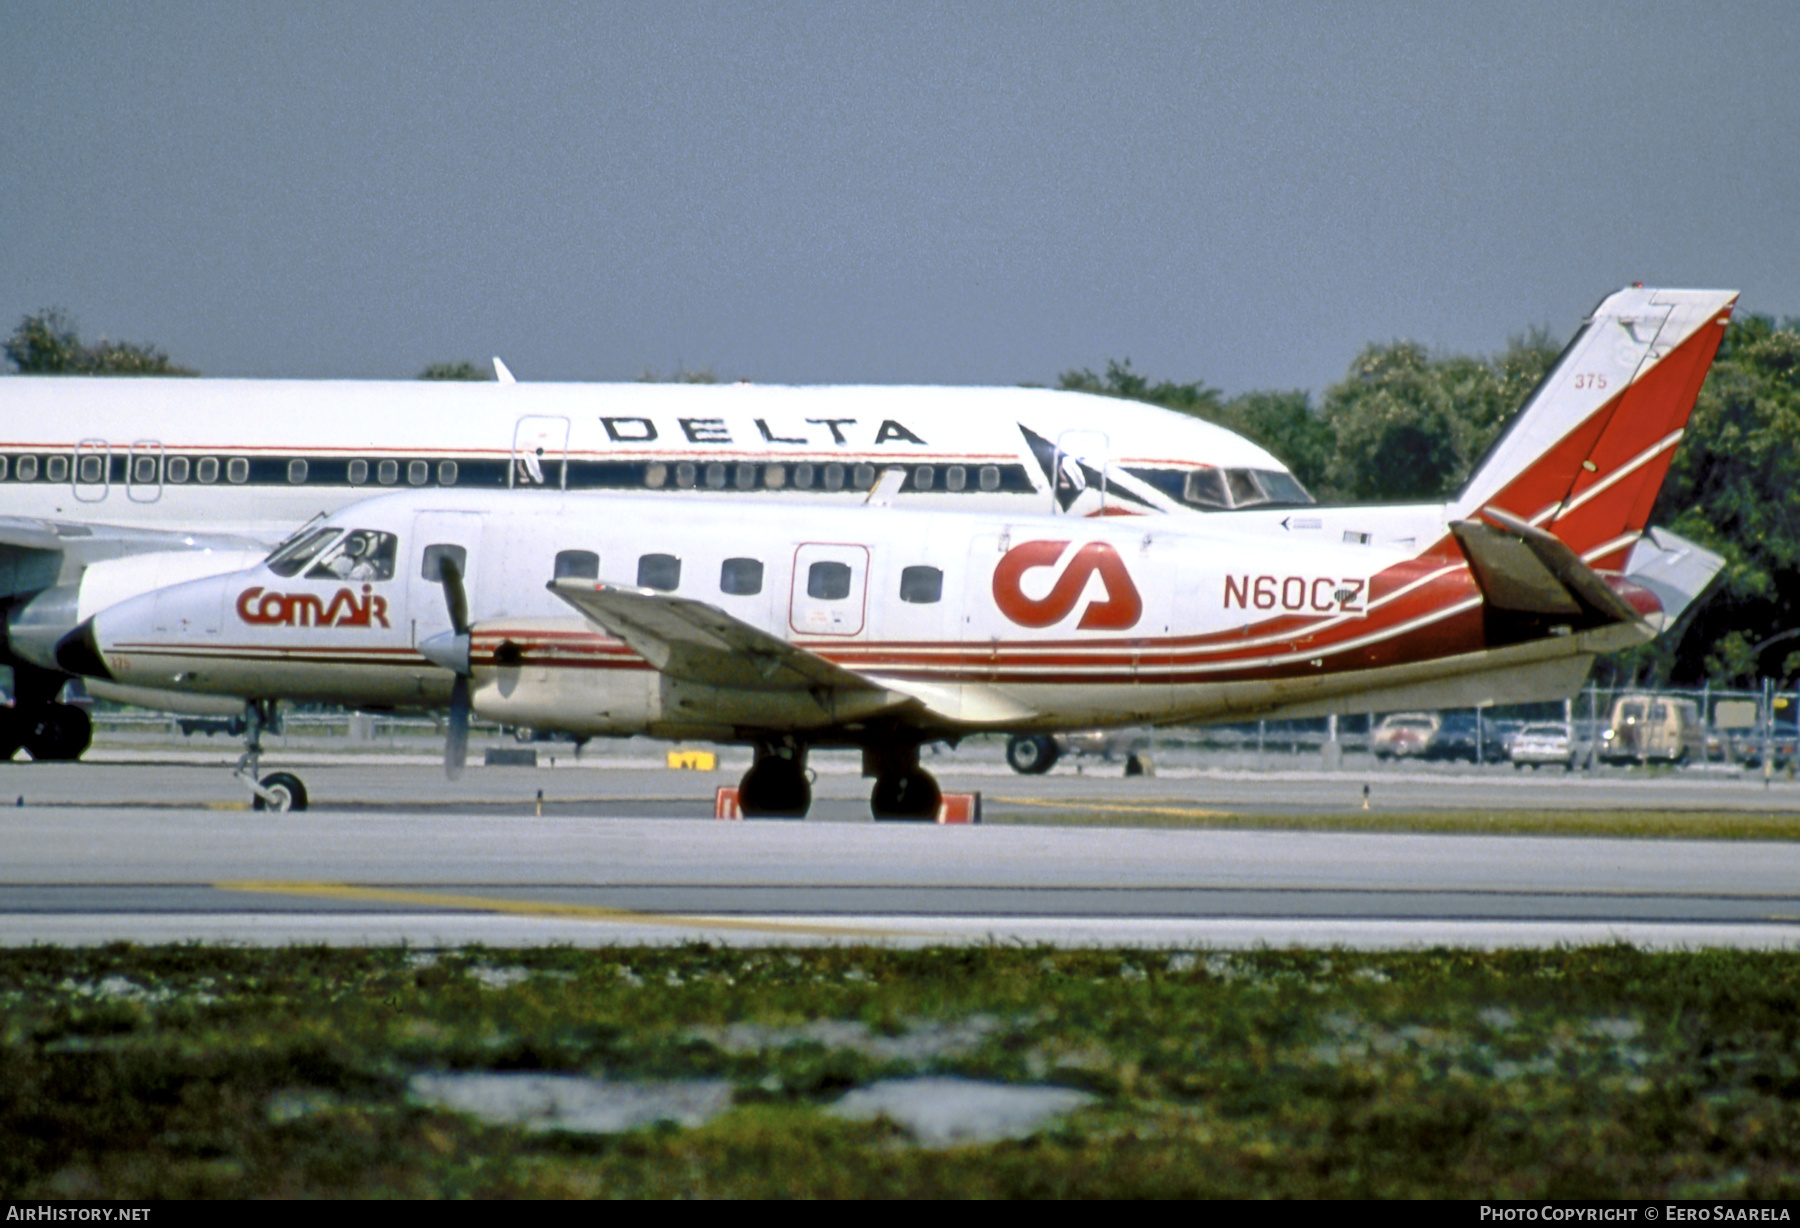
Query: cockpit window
(292, 556)
(363, 554)
(1224, 490)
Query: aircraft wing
(33, 551)
(692, 640)
(1524, 570)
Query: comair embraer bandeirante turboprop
(888, 629)
(110, 487)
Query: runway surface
(147, 851)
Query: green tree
(1121, 381)
(1734, 487)
(456, 371)
(47, 343)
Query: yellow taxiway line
(530, 908)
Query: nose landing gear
(280, 791)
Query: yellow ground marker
(1180, 812)
(530, 908)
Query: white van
(1653, 728)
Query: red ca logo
(1120, 610)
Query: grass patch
(206, 1072)
(1624, 823)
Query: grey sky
(811, 193)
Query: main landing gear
(778, 786)
(277, 790)
(48, 730)
(903, 790)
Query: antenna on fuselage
(501, 373)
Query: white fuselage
(255, 457)
(947, 621)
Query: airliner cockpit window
(291, 557)
(363, 554)
(1282, 487)
(1205, 488)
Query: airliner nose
(79, 653)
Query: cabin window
(863, 477)
(2, 468)
(56, 468)
(431, 566)
(661, 572)
(418, 473)
(176, 470)
(577, 565)
(296, 472)
(655, 474)
(363, 554)
(358, 472)
(237, 470)
(745, 477)
(387, 472)
(92, 468)
(990, 477)
(955, 477)
(828, 581)
(922, 585)
(923, 477)
(684, 475)
(28, 468)
(143, 470)
(446, 473)
(774, 476)
(208, 469)
(803, 477)
(834, 477)
(741, 577)
(715, 476)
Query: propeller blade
(455, 597)
(456, 736)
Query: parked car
(1547, 743)
(1653, 727)
(1467, 736)
(1034, 754)
(1783, 742)
(1404, 735)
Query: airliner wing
(693, 640)
(33, 550)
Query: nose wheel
(279, 791)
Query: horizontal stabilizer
(1524, 570)
(702, 643)
(1675, 569)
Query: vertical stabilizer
(1587, 454)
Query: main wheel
(1031, 756)
(56, 733)
(912, 795)
(775, 788)
(289, 793)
